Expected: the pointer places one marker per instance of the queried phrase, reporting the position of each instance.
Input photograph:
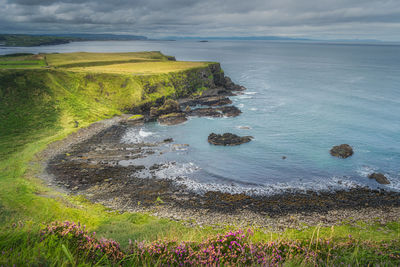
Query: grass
(142, 68)
(136, 117)
(74, 59)
(40, 106)
(19, 61)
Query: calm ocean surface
(301, 99)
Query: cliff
(40, 102)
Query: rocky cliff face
(182, 84)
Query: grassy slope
(39, 107)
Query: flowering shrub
(231, 249)
(85, 244)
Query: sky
(316, 19)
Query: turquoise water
(301, 99)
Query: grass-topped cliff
(43, 94)
(44, 98)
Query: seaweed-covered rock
(342, 151)
(169, 106)
(379, 177)
(228, 139)
(172, 118)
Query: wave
(334, 184)
(134, 135)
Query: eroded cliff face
(178, 85)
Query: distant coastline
(30, 40)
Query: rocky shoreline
(94, 163)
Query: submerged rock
(230, 111)
(228, 139)
(379, 177)
(172, 119)
(342, 151)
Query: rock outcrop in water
(206, 101)
(172, 118)
(379, 177)
(228, 139)
(342, 151)
(169, 106)
(228, 111)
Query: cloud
(378, 19)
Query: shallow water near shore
(301, 99)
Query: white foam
(172, 170)
(242, 127)
(244, 97)
(365, 170)
(134, 135)
(333, 184)
(143, 133)
(250, 93)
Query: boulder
(342, 151)
(169, 106)
(228, 139)
(172, 119)
(379, 177)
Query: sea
(302, 98)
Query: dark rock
(169, 106)
(205, 112)
(220, 91)
(342, 151)
(228, 139)
(229, 85)
(283, 157)
(168, 140)
(379, 177)
(206, 101)
(230, 111)
(172, 119)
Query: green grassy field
(39, 106)
(22, 62)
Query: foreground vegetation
(41, 105)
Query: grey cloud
(157, 18)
